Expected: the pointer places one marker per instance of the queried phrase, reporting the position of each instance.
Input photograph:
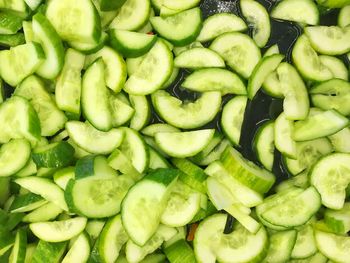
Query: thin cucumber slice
(19, 62)
(122, 112)
(179, 50)
(343, 17)
(58, 231)
(332, 94)
(10, 23)
(172, 78)
(152, 194)
(340, 140)
(284, 141)
(62, 176)
(246, 172)
(180, 251)
(120, 162)
(131, 44)
(28, 31)
(43, 213)
(48, 252)
(115, 68)
(51, 118)
(215, 79)
(14, 155)
(218, 24)
(93, 140)
(80, 22)
(338, 220)
(265, 67)
(94, 97)
(156, 160)
(142, 113)
(188, 115)
(329, 40)
(180, 29)
(18, 252)
(319, 124)
(94, 228)
(330, 175)
(215, 141)
(239, 51)
(305, 245)
(132, 16)
(151, 74)
(199, 58)
(281, 246)
(132, 64)
(52, 46)
(26, 203)
(68, 85)
(301, 181)
(307, 61)
(257, 16)
(336, 66)
(264, 146)
(183, 144)
(274, 49)
(180, 4)
(300, 11)
(214, 155)
(232, 118)
(272, 85)
(80, 250)
(152, 129)
(93, 166)
(90, 47)
(332, 3)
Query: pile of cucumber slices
(103, 158)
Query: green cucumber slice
(12, 40)
(122, 112)
(272, 85)
(343, 17)
(179, 50)
(214, 155)
(10, 23)
(90, 47)
(18, 7)
(338, 221)
(152, 129)
(305, 245)
(284, 140)
(340, 140)
(180, 251)
(199, 58)
(33, 4)
(107, 5)
(142, 113)
(179, 5)
(332, 3)
(264, 146)
(79, 252)
(281, 246)
(43, 213)
(156, 160)
(29, 169)
(18, 252)
(48, 252)
(62, 176)
(26, 203)
(120, 162)
(336, 66)
(239, 51)
(94, 229)
(274, 49)
(215, 141)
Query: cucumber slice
(26, 203)
(265, 67)
(29, 169)
(332, 3)
(107, 5)
(300, 11)
(94, 97)
(330, 175)
(93, 166)
(94, 228)
(18, 252)
(142, 113)
(19, 62)
(93, 140)
(284, 142)
(12, 40)
(215, 141)
(329, 40)
(121, 111)
(281, 246)
(274, 49)
(332, 94)
(33, 4)
(215, 79)
(221, 23)
(151, 74)
(156, 160)
(80, 250)
(214, 155)
(17, 6)
(180, 251)
(112, 239)
(340, 141)
(180, 29)
(246, 172)
(132, 16)
(115, 68)
(301, 180)
(43, 213)
(239, 51)
(131, 44)
(338, 221)
(343, 17)
(199, 58)
(307, 61)
(319, 124)
(264, 146)
(48, 252)
(272, 85)
(179, 50)
(188, 115)
(10, 23)
(179, 5)
(152, 129)
(75, 21)
(90, 47)
(153, 191)
(68, 85)
(257, 16)
(183, 144)
(305, 245)
(118, 161)
(232, 118)
(336, 66)
(62, 176)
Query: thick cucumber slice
(142, 113)
(68, 85)
(79, 252)
(151, 195)
(218, 24)
(294, 212)
(184, 144)
(257, 16)
(340, 141)
(232, 118)
(334, 247)
(58, 231)
(319, 124)
(90, 47)
(265, 67)
(10, 23)
(188, 115)
(338, 221)
(26, 203)
(18, 252)
(14, 155)
(152, 129)
(215, 79)
(284, 141)
(48, 252)
(132, 16)
(151, 74)
(301, 11)
(329, 40)
(330, 176)
(343, 17)
(52, 46)
(75, 21)
(305, 245)
(94, 97)
(264, 146)
(281, 246)
(239, 51)
(93, 166)
(115, 68)
(332, 94)
(246, 172)
(44, 187)
(43, 213)
(180, 29)
(54, 155)
(19, 62)
(336, 66)
(112, 239)
(210, 244)
(199, 58)
(93, 140)
(180, 251)
(307, 61)
(131, 44)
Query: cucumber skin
(163, 176)
(48, 252)
(69, 198)
(45, 160)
